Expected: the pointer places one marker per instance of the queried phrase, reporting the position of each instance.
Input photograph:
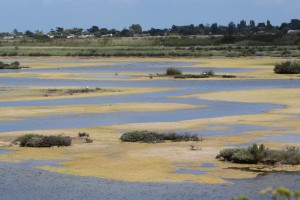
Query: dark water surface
(21, 182)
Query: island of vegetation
(177, 74)
(13, 65)
(256, 154)
(288, 67)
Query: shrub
(209, 72)
(287, 67)
(155, 137)
(88, 140)
(184, 76)
(227, 154)
(33, 140)
(259, 154)
(83, 134)
(173, 71)
(228, 76)
(243, 156)
(23, 140)
(13, 65)
(142, 136)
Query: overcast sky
(46, 14)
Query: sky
(46, 14)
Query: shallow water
(17, 182)
(23, 177)
(208, 165)
(4, 151)
(203, 85)
(214, 109)
(286, 138)
(189, 171)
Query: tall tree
(231, 28)
(136, 28)
(269, 25)
(214, 28)
(252, 24)
(93, 29)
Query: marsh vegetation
(74, 91)
(288, 67)
(260, 154)
(13, 65)
(35, 140)
(156, 137)
(178, 74)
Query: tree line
(241, 28)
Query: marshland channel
(221, 123)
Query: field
(172, 46)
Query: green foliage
(34, 140)
(184, 76)
(287, 67)
(173, 71)
(277, 194)
(281, 193)
(83, 134)
(88, 140)
(259, 154)
(136, 28)
(243, 156)
(241, 198)
(13, 65)
(228, 76)
(155, 137)
(209, 72)
(23, 140)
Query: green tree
(252, 24)
(93, 29)
(136, 28)
(214, 29)
(231, 28)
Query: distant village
(135, 30)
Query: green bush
(155, 137)
(23, 140)
(173, 71)
(142, 136)
(209, 72)
(184, 76)
(83, 134)
(227, 154)
(259, 154)
(243, 156)
(287, 67)
(13, 65)
(228, 76)
(33, 140)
